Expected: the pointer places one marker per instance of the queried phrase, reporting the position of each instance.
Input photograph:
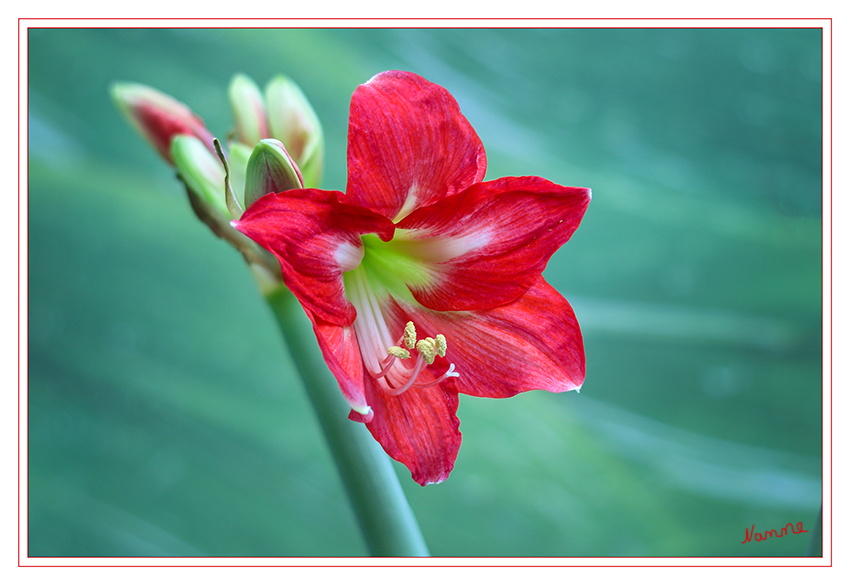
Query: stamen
(393, 353)
(399, 352)
(427, 348)
(410, 381)
(385, 369)
(441, 345)
(427, 351)
(409, 335)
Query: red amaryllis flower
(421, 280)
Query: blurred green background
(165, 420)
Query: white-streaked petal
(348, 256)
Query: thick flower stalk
(421, 280)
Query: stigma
(399, 375)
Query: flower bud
(159, 117)
(201, 170)
(293, 121)
(270, 170)
(249, 111)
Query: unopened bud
(249, 111)
(293, 121)
(200, 170)
(270, 170)
(159, 117)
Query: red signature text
(759, 536)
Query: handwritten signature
(759, 536)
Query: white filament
(394, 376)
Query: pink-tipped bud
(159, 117)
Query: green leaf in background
(165, 420)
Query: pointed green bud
(200, 170)
(249, 111)
(293, 121)
(270, 170)
(159, 117)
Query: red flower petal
(342, 354)
(532, 343)
(487, 245)
(316, 238)
(419, 428)
(408, 145)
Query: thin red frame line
(434, 18)
(831, 373)
(19, 296)
(831, 321)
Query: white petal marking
(440, 249)
(409, 203)
(349, 256)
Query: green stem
(385, 517)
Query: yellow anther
(441, 345)
(409, 335)
(398, 352)
(427, 348)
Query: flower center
(383, 274)
(396, 363)
(401, 379)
